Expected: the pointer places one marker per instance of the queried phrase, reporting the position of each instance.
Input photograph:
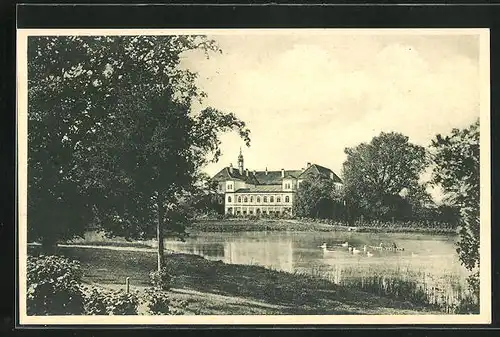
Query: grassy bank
(214, 288)
(247, 225)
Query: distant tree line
(382, 183)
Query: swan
(356, 251)
(365, 248)
(327, 251)
(323, 245)
(350, 249)
(345, 244)
(369, 254)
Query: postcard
(253, 176)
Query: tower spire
(240, 162)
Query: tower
(240, 162)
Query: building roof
(273, 177)
(225, 174)
(316, 169)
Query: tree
(456, 170)
(377, 175)
(130, 132)
(318, 198)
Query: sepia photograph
(254, 176)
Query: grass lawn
(215, 288)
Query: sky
(306, 97)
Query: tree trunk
(159, 234)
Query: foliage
(113, 137)
(317, 197)
(119, 302)
(95, 302)
(99, 301)
(160, 279)
(54, 286)
(158, 302)
(456, 170)
(380, 175)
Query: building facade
(251, 192)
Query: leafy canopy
(112, 133)
(317, 197)
(377, 175)
(456, 170)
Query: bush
(119, 302)
(54, 286)
(160, 279)
(106, 302)
(95, 302)
(158, 302)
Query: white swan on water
(345, 244)
(356, 251)
(323, 245)
(369, 254)
(327, 251)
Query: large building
(251, 192)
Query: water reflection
(272, 254)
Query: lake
(430, 261)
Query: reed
(446, 295)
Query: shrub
(119, 302)
(54, 286)
(95, 302)
(160, 279)
(158, 302)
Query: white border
(485, 180)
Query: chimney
(282, 173)
(308, 164)
(254, 172)
(266, 171)
(247, 172)
(331, 175)
(231, 168)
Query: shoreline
(292, 225)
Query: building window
(265, 199)
(229, 187)
(251, 198)
(258, 199)
(250, 212)
(271, 199)
(239, 199)
(228, 198)
(287, 199)
(278, 199)
(246, 199)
